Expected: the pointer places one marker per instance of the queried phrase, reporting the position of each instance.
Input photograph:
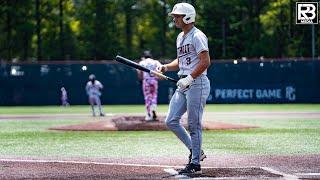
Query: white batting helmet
(147, 54)
(184, 9)
(92, 77)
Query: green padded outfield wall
(244, 82)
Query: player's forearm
(203, 65)
(173, 66)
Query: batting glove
(185, 82)
(162, 68)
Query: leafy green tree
(17, 28)
(101, 29)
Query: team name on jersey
(184, 49)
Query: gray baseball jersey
(188, 48)
(94, 89)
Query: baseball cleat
(191, 169)
(202, 157)
(101, 114)
(148, 118)
(154, 115)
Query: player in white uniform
(64, 97)
(193, 87)
(93, 89)
(149, 85)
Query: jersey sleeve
(158, 63)
(141, 63)
(200, 42)
(100, 85)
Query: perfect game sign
(253, 95)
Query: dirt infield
(137, 123)
(214, 167)
(74, 170)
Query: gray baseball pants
(191, 100)
(95, 100)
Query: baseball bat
(130, 63)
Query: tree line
(100, 29)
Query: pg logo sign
(307, 13)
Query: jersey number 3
(188, 60)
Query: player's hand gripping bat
(130, 63)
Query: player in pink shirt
(149, 85)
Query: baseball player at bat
(149, 85)
(193, 86)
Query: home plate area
(229, 173)
(69, 169)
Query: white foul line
(285, 176)
(307, 174)
(87, 162)
(105, 163)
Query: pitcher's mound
(137, 123)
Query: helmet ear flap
(189, 18)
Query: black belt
(182, 76)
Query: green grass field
(161, 108)
(30, 138)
